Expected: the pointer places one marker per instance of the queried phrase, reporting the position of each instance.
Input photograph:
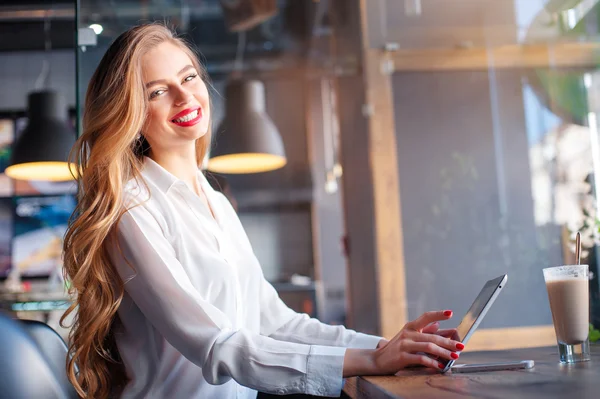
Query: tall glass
(568, 293)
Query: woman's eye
(188, 78)
(156, 93)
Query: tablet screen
(477, 307)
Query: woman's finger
(412, 359)
(447, 343)
(450, 333)
(427, 318)
(432, 328)
(432, 349)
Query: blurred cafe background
(408, 151)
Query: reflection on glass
(39, 226)
(495, 110)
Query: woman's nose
(183, 98)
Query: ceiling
(443, 23)
(283, 41)
(460, 23)
(202, 21)
(22, 24)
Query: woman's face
(178, 102)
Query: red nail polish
(447, 313)
(440, 365)
(454, 355)
(460, 346)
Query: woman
(171, 301)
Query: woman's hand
(414, 342)
(418, 343)
(433, 328)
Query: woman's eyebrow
(185, 69)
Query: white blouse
(198, 318)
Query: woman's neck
(184, 167)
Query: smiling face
(178, 101)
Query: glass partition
(495, 107)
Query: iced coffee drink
(568, 293)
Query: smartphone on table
(474, 368)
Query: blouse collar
(164, 179)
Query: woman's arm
(280, 322)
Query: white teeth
(188, 117)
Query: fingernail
(460, 346)
(454, 355)
(440, 365)
(447, 313)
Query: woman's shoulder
(140, 198)
(143, 192)
(136, 192)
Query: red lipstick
(185, 112)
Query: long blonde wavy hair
(109, 153)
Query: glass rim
(584, 265)
(577, 272)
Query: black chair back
(24, 371)
(54, 349)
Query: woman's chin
(193, 132)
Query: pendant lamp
(247, 141)
(42, 150)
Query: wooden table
(548, 379)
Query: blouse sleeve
(281, 323)
(162, 291)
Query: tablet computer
(476, 313)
